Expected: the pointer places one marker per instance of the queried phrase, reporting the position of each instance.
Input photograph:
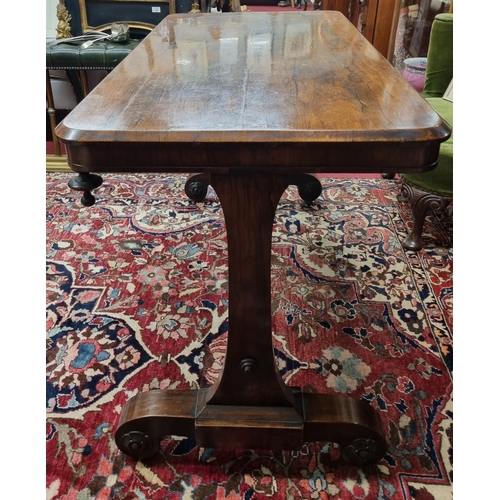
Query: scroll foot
(150, 416)
(354, 425)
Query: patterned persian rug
(137, 300)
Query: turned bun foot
(85, 182)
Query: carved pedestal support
(309, 186)
(149, 417)
(249, 405)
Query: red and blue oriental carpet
(137, 300)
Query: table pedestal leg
(249, 406)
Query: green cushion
(100, 55)
(440, 180)
(439, 72)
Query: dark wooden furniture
(72, 57)
(251, 100)
(77, 60)
(376, 19)
(433, 190)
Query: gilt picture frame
(98, 15)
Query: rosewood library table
(250, 103)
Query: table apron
(284, 158)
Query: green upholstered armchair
(434, 189)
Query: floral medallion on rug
(137, 300)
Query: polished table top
(301, 91)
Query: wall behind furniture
(51, 18)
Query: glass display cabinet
(415, 19)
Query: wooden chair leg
(52, 114)
(85, 84)
(420, 203)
